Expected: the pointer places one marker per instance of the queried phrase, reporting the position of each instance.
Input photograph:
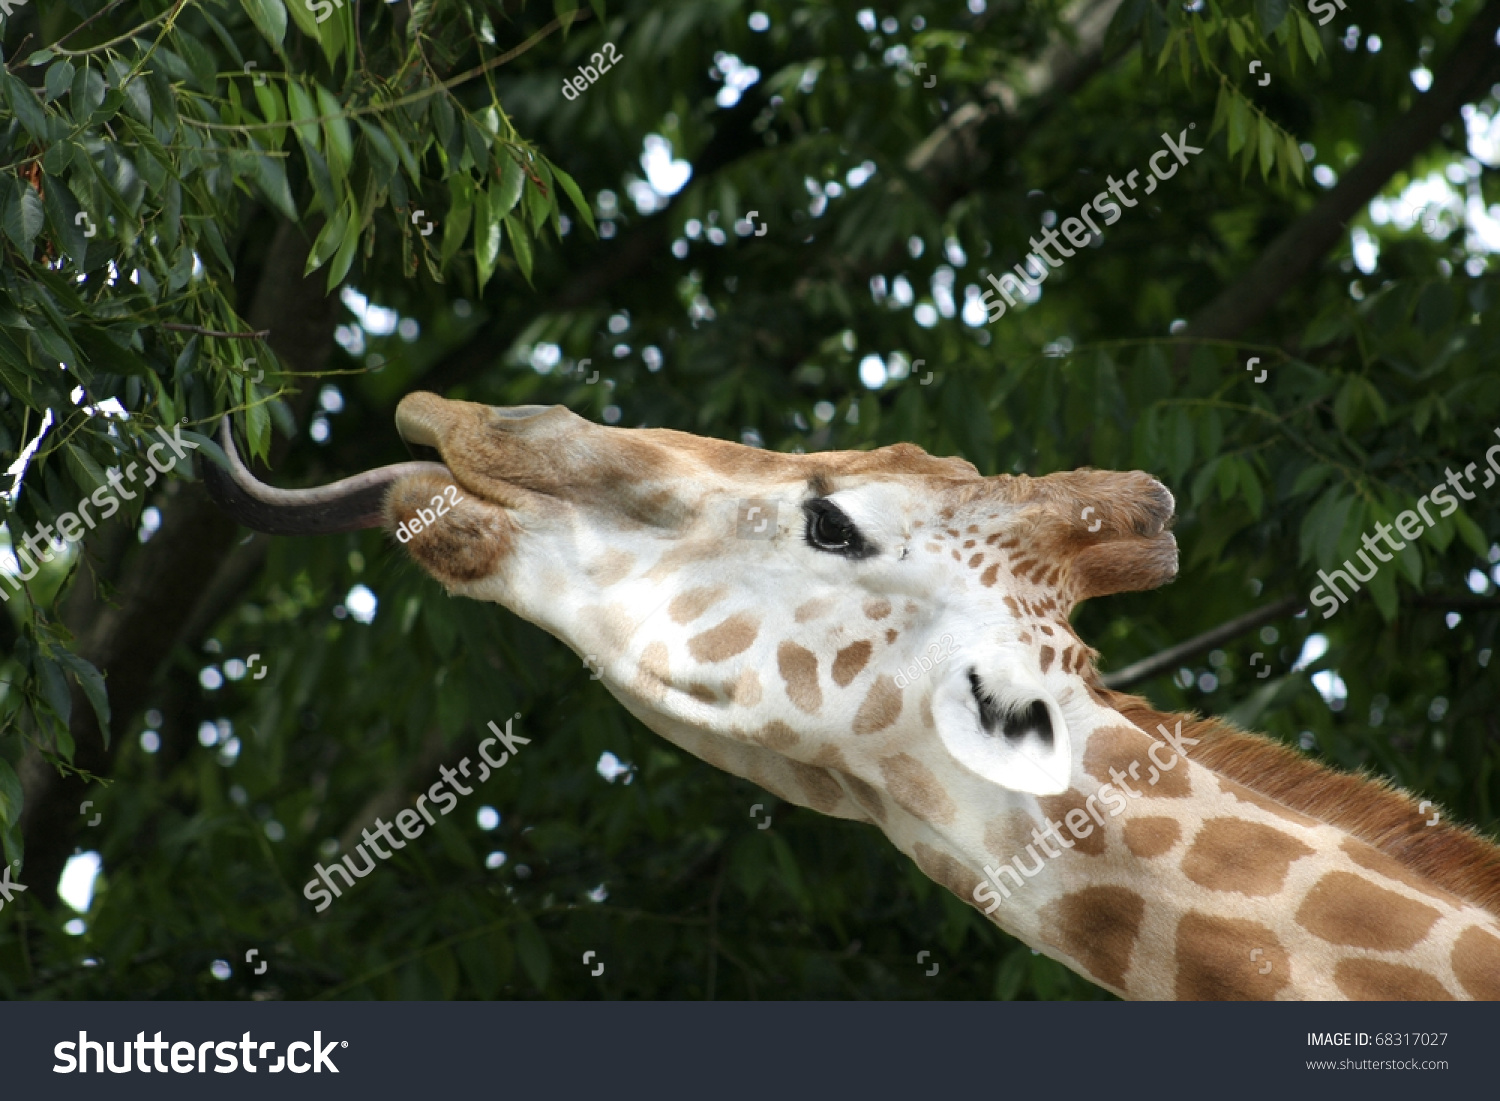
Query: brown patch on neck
(941, 868)
(850, 660)
(1099, 926)
(733, 636)
(814, 608)
(1476, 963)
(688, 606)
(1365, 980)
(1223, 959)
(916, 790)
(799, 672)
(1453, 858)
(1231, 854)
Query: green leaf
(187, 359)
(1471, 534)
(381, 154)
(58, 79)
(340, 146)
(520, 244)
(86, 472)
(303, 112)
(1179, 441)
(539, 205)
(270, 178)
(1314, 520)
(404, 150)
(1250, 489)
(306, 18)
(23, 103)
(1270, 14)
(269, 17)
(1204, 480)
(1310, 41)
(1331, 528)
(1239, 121)
(512, 180)
(1166, 49)
(487, 234)
(1237, 37)
(1210, 432)
(54, 687)
(1267, 147)
(575, 194)
(92, 683)
(447, 128)
(567, 11)
(1382, 588)
(791, 875)
(24, 217)
(87, 94)
(272, 109)
(329, 239)
(1355, 392)
(476, 143)
(1011, 974)
(1292, 157)
(536, 960)
(258, 428)
(1311, 478)
(1410, 560)
(12, 798)
(344, 258)
(460, 215)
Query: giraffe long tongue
(348, 505)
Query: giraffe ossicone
(775, 650)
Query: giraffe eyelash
(830, 530)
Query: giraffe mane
(1455, 858)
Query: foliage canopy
(233, 206)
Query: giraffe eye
(828, 529)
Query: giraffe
(771, 614)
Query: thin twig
(259, 334)
(1147, 668)
(102, 11)
(376, 108)
(1463, 600)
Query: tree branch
(1472, 66)
(1147, 668)
(258, 335)
(160, 584)
(1069, 61)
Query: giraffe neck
(1163, 876)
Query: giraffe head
(890, 615)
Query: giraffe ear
(1004, 732)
